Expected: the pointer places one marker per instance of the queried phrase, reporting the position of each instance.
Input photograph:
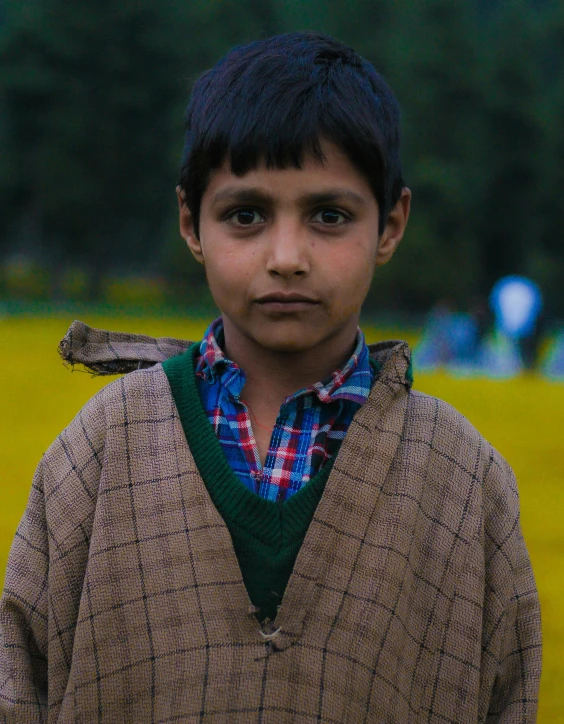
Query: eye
(330, 217)
(245, 217)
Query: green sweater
(267, 536)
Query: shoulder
(136, 393)
(446, 431)
(457, 453)
(130, 394)
(75, 459)
(455, 443)
(69, 475)
(448, 428)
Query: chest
(165, 619)
(275, 450)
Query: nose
(287, 251)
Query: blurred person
(270, 524)
(516, 302)
(481, 314)
(433, 349)
(449, 339)
(553, 363)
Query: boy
(270, 525)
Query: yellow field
(523, 418)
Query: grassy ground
(523, 418)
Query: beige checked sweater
(411, 600)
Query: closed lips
(285, 299)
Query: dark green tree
(92, 101)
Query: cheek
(353, 267)
(229, 273)
(349, 275)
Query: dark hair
(273, 100)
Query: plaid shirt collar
(352, 382)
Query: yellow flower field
(523, 418)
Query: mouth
(280, 302)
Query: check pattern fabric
(412, 598)
(309, 429)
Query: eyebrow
(254, 194)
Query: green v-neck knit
(266, 535)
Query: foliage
(91, 105)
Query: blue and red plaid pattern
(309, 429)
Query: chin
(285, 341)
(285, 345)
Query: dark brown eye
(330, 217)
(246, 217)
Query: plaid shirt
(309, 428)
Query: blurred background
(92, 97)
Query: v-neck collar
(276, 524)
(348, 501)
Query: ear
(187, 231)
(395, 227)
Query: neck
(274, 374)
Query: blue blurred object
(516, 303)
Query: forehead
(315, 176)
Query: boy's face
(289, 254)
